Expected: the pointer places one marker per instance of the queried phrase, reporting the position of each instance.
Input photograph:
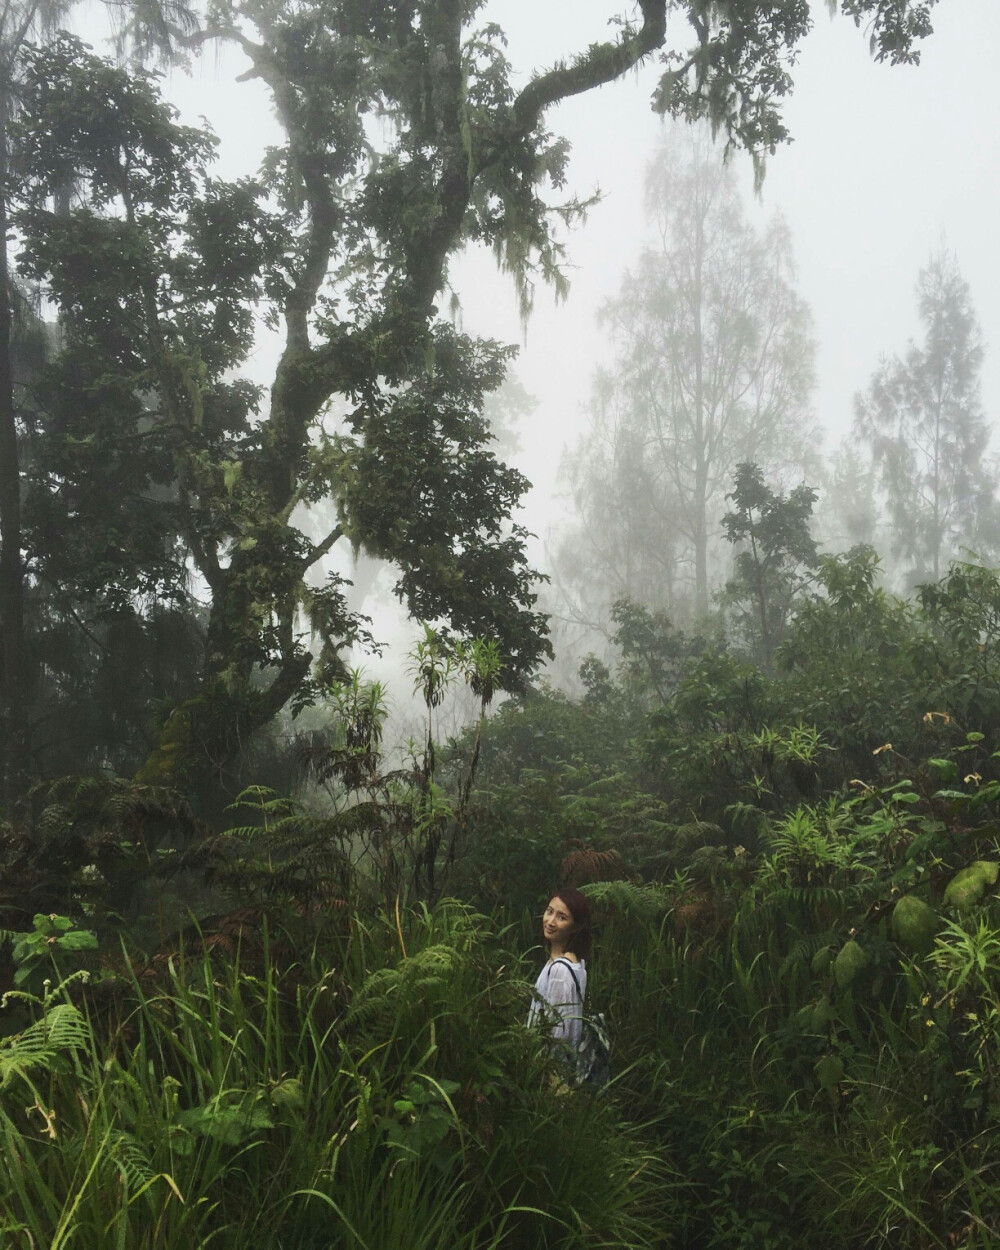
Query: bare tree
(923, 421)
(712, 366)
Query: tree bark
(15, 741)
(701, 433)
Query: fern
(584, 863)
(130, 1161)
(812, 900)
(646, 902)
(805, 948)
(424, 977)
(287, 854)
(62, 1028)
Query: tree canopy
(404, 138)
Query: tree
(847, 515)
(143, 27)
(343, 243)
(923, 421)
(157, 306)
(712, 366)
(771, 531)
(18, 22)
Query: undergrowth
(377, 1091)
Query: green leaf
(956, 796)
(288, 1095)
(823, 1014)
(81, 940)
(829, 1071)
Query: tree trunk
(938, 534)
(701, 563)
(14, 741)
(700, 433)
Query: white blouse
(558, 1002)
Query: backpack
(592, 1061)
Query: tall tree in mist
(847, 515)
(142, 27)
(19, 21)
(775, 550)
(923, 420)
(161, 272)
(712, 366)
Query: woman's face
(558, 924)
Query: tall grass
(803, 1109)
(375, 1087)
(374, 1092)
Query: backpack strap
(576, 982)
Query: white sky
(885, 163)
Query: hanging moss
(167, 761)
(849, 962)
(914, 923)
(967, 887)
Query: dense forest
(265, 969)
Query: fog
(885, 164)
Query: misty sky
(886, 162)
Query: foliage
(218, 1101)
(796, 935)
(923, 422)
(775, 548)
(39, 953)
(654, 654)
(153, 455)
(793, 868)
(803, 974)
(712, 366)
(206, 470)
(18, 331)
(739, 70)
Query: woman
(562, 984)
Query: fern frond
(806, 947)
(420, 978)
(812, 899)
(62, 1028)
(130, 1160)
(586, 863)
(646, 902)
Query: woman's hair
(579, 909)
